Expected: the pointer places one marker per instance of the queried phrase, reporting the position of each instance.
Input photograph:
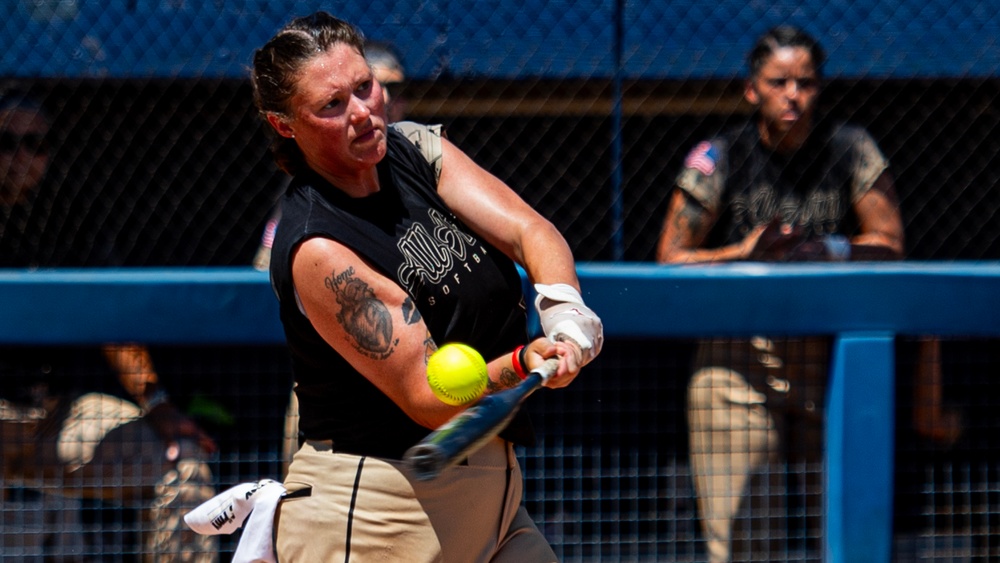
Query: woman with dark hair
(381, 257)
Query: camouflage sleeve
(869, 163)
(262, 259)
(427, 138)
(704, 173)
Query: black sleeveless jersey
(465, 289)
(748, 185)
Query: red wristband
(518, 362)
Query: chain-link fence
(586, 108)
(156, 157)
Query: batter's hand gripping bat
(470, 429)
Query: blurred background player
(81, 427)
(786, 185)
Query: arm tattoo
(508, 379)
(691, 217)
(365, 318)
(411, 315)
(429, 347)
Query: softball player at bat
(376, 261)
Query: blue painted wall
(205, 305)
(679, 39)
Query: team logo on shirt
(702, 158)
(430, 252)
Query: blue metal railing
(676, 40)
(863, 306)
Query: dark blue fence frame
(863, 306)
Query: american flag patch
(702, 158)
(268, 238)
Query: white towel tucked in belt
(227, 512)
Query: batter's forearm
(547, 258)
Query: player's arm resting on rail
(881, 225)
(685, 228)
(494, 211)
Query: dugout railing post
(859, 449)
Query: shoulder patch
(427, 138)
(702, 158)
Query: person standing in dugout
(786, 185)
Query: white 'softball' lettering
(430, 255)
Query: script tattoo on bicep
(363, 315)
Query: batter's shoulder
(426, 138)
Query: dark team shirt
(464, 289)
(747, 185)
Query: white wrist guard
(564, 317)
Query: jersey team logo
(702, 158)
(430, 251)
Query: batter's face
(24, 155)
(338, 113)
(785, 92)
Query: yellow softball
(457, 374)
